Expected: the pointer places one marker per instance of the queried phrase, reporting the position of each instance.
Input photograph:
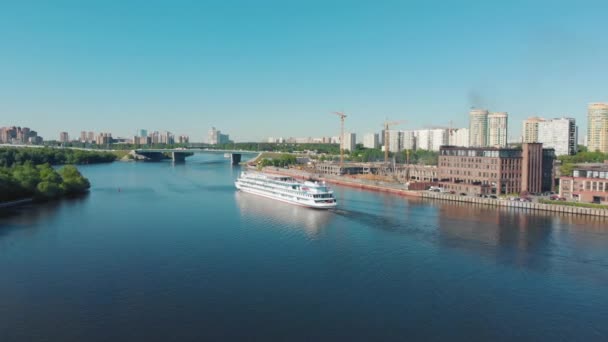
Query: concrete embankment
(347, 181)
(565, 209)
(399, 190)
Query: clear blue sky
(278, 68)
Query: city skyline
(81, 67)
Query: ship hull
(284, 199)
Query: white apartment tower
(560, 134)
(371, 140)
(395, 143)
(350, 142)
(497, 129)
(459, 137)
(408, 140)
(478, 128)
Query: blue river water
(164, 252)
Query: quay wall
(565, 209)
(400, 190)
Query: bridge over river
(179, 155)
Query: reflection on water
(284, 214)
(27, 219)
(538, 241)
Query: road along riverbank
(433, 196)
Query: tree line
(568, 162)
(10, 156)
(27, 172)
(40, 182)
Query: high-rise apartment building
(597, 127)
(529, 130)
(371, 140)
(91, 137)
(167, 138)
(431, 139)
(408, 140)
(19, 135)
(497, 129)
(215, 137)
(423, 139)
(83, 137)
(458, 137)
(478, 128)
(560, 134)
(350, 142)
(64, 137)
(395, 143)
(104, 139)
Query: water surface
(159, 252)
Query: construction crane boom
(342, 116)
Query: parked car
(462, 194)
(493, 196)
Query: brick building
(491, 170)
(589, 183)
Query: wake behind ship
(287, 189)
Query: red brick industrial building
(491, 170)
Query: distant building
(167, 138)
(19, 135)
(395, 141)
(91, 137)
(492, 170)
(530, 129)
(154, 137)
(64, 137)
(408, 140)
(83, 137)
(589, 184)
(478, 128)
(425, 139)
(350, 142)
(597, 127)
(560, 134)
(371, 140)
(183, 139)
(143, 133)
(459, 137)
(104, 139)
(498, 129)
(215, 137)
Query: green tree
(73, 181)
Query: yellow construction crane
(342, 116)
(387, 125)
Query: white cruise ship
(287, 189)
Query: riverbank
(432, 196)
(16, 203)
(347, 181)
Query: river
(164, 252)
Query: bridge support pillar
(178, 157)
(235, 158)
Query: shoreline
(432, 196)
(11, 204)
